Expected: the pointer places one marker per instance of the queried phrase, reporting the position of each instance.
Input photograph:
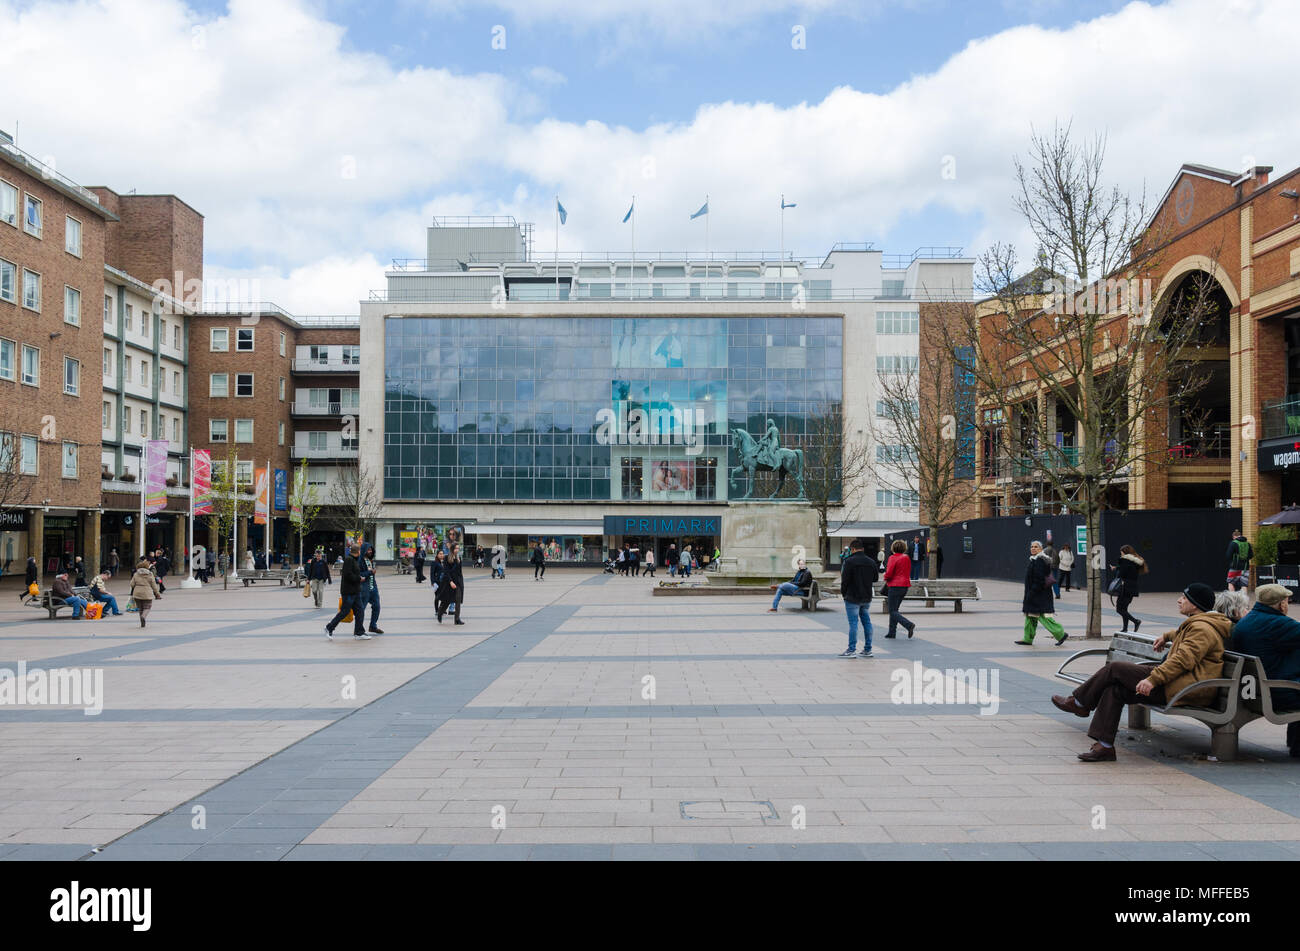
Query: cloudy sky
(319, 137)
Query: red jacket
(898, 571)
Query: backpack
(1242, 558)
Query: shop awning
(592, 527)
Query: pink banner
(201, 480)
(262, 495)
(155, 487)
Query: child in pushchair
(609, 565)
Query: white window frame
(176, 336)
(13, 282)
(126, 419)
(243, 472)
(144, 423)
(281, 433)
(176, 382)
(281, 389)
(249, 440)
(73, 367)
(224, 436)
(251, 386)
(12, 373)
(239, 332)
(212, 385)
(225, 340)
(67, 233)
(108, 309)
(39, 293)
(176, 429)
(36, 350)
(126, 326)
(24, 466)
(107, 415)
(144, 372)
(71, 315)
(283, 340)
(40, 215)
(63, 459)
(7, 188)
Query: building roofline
(13, 156)
(175, 198)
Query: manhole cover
(728, 809)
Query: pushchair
(609, 566)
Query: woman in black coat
(419, 566)
(1127, 571)
(451, 588)
(30, 577)
(1038, 604)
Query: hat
(1201, 595)
(1272, 594)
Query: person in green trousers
(1038, 604)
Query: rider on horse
(768, 446)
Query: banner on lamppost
(281, 483)
(155, 491)
(299, 490)
(262, 495)
(201, 482)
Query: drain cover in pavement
(728, 809)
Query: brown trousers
(1108, 690)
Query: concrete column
(178, 545)
(94, 549)
(36, 541)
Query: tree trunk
(1096, 569)
(932, 560)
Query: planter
(127, 477)
(172, 483)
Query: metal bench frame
(282, 575)
(1264, 702)
(48, 602)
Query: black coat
(858, 574)
(31, 572)
(451, 573)
(1127, 572)
(537, 557)
(319, 571)
(436, 571)
(419, 560)
(1038, 593)
(350, 577)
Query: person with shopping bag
(350, 602)
(144, 589)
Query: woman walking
(144, 589)
(1130, 567)
(898, 573)
(451, 589)
(1065, 559)
(1038, 603)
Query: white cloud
(310, 159)
(547, 76)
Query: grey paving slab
(571, 853)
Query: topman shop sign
(672, 526)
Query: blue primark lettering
(645, 526)
(695, 526)
(711, 526)
(629, 525)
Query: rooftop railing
(1282, 418)
(40, 169)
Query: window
(281, 434)
(897, 322)
(218, 384)
(281, 389)
(32, 215)
(318, 354)
(126, 420)
(69, 460)
(217, 429)
(176, 382)
(72, 237)
(71, 306)
(318, 440)
(31, 366)
(31, 290)
(144, 324)
(895, 454)
(71, 376)
(8, 280)
(896, 499)
(108, 310)
(129, 311)
(244, 339)
(144, 424)
(315, 476)
(107, 415)
(243, 384)
(243, 472)
(176, 336)
(127, 377)
(8, 204)
(27, 460)
(895, 363)
(352, 356)
(282, 342)
(144, 372)
(162, 333)
(176, 429)
(218, 470)
(892, 288)
(243, 430)
(8, 350)
(220, 340)
(108, 360)
(904, 411)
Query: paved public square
(233, 729)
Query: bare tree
(1077, 369)
(305, 506)
(923, 430)
(229, 505)
(836, 464)
(356, 499)
(15, 487)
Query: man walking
(858, 573)
(370, 587)
(917, 555)
(1239, 557)
(350, 600)
(538, 560)
(684, 564)
(318, 576)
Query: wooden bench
(923, 589)
(265, 574)
(53, 605)
(808, 596)
(1225, 715)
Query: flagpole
(557, 249)
(191, 581)
(632, 273)
(781, 262)
(266, 529)
(708, 262)
(143, 482)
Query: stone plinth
(762, 539)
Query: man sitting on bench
(1274, 638)
(802, 579)
(1195, 653)
(63, 590)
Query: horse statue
(789, 461)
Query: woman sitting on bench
(1195, 654)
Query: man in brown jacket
(1195, 654)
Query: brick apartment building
(269, 388)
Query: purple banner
(155, 487)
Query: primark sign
(663, 526)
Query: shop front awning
(873, 529)
(572, 527)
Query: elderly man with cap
(1195, 654)
(1274, 638)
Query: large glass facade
(594, 408)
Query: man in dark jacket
(318, 576)
(63, 590)
(1274, 638)
(538, 560)
(29, 578)
(802, 579)
(370, 586)
(419, 566)
(858, 573)
(350, 596)
(1239, 555)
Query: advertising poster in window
(671, 476)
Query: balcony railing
(1282, 418)
(1214, 443)
(324, 409)
(325, 452)
(326, 366)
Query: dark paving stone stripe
(355, 750)
(675, 658)
(269, 661)
(168, 714)
(652, 710)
